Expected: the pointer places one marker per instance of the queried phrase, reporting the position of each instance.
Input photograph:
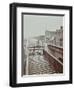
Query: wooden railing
(56, 51)
(56, 64)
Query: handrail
(54, 58)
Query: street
(37, 65)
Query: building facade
(55, 37)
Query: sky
(35, 25)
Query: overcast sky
(35, 25)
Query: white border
(43, 78)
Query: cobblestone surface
(37, 65)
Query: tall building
(55, 37)
(59, 37)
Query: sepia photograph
(42, 45)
